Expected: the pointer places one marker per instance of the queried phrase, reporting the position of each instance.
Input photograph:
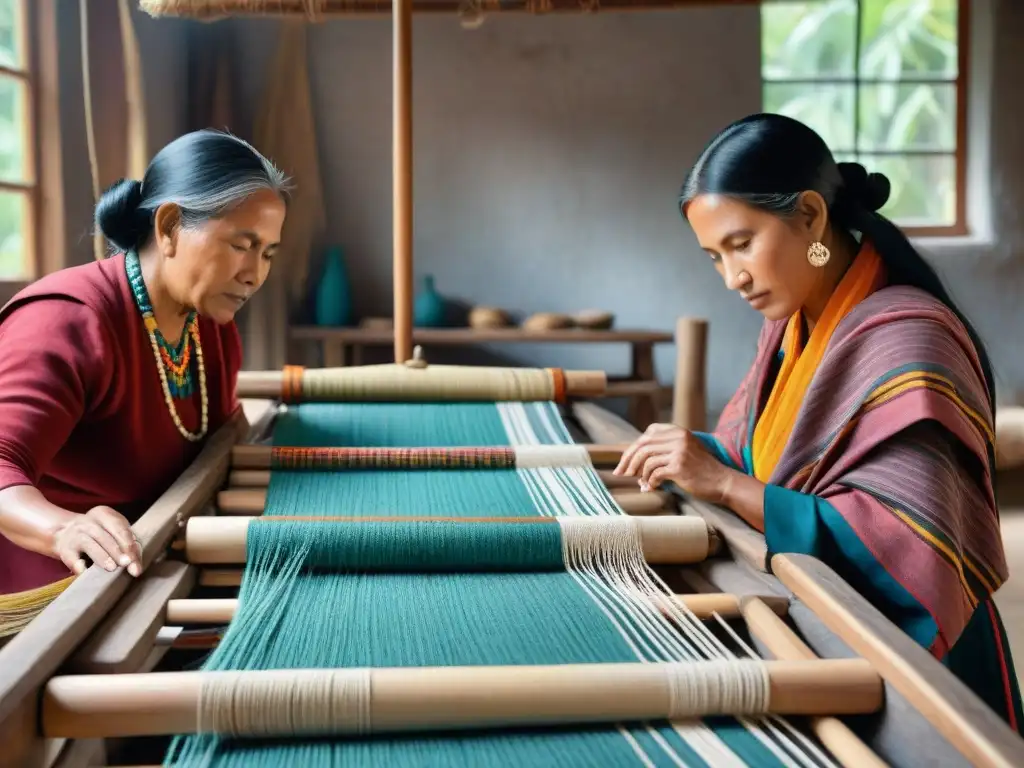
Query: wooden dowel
(666, 540)
(252, 501)
(268, 385)
(239, 479)
(703, 606)
(784, 644)
(220, 577)
(402, 175)
(248, 501)
(409, 699)
(261, 456)
(689, 403)
(206, 611)
(260, 478)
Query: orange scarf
(800, 364)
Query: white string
(295, 702)
(630, 594)
(536, 456)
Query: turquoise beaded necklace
(175, 365)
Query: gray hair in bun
(204, 173)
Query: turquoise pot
(429, 307)
(333, 291)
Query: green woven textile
(434, 594)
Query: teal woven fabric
(413, 547)
(482, 492)
(418, 594)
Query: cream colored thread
(534, 456)
(718, 687)
(286, 702)
(255, 704)
(376, 383)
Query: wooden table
(344, 346)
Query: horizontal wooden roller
(410, 699)
(571, 454)
(703, 606)
(260, 478)
(402, 383)
(666, 540)
(252, 501)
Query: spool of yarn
(547, 321)
(488, 317)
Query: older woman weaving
(863, 432)
(112, 374)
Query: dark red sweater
(82, 411)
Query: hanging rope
(132, 164)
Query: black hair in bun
(769, 161)
(869, 190)
(118, 215)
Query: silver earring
(818, 254)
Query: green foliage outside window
(878, 80)
(15, 164)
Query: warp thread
(605, 607)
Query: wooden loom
(82, 671)
(88, 658)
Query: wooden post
(402, 178)
(689, 402)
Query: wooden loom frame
(107, 621)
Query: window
(18, 194)
(883, 83)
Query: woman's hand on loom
(667, 453)
(104, 536)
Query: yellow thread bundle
(19, 608)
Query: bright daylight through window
(882, 81)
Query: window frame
(43, 193)
(960, 226)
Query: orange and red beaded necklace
(173, 364)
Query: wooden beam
(939, 696)
(216, 9)
(764, 623)
(126, 637)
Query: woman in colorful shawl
(863, 432)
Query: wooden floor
(1010, 599)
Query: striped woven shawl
(896, 433)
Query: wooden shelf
(339, 346)
(456, 336)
